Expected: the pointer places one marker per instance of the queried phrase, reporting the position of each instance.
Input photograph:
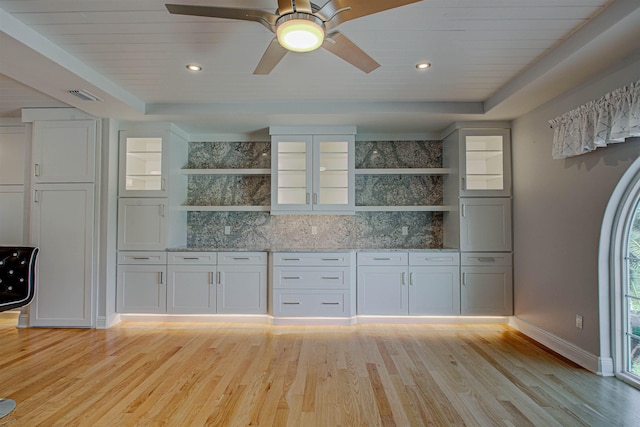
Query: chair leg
(6, 406)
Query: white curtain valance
(610, 119)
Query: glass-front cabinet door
(312, 173)
(485, 163)
(333, 188)
(142, 165)
(291, 173)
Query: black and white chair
(17, 288)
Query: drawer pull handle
(436, 259)
(330, 259)
(291, 259)
(291, 277)
(403, 278)
(331, 303)
(331, 278)
(140, 257)
(241, 258)
(190, 257)
(486, 259)
(291, 303)
(382, 259)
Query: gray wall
(558, 210)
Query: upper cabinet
(64, 151)
(312, 173)
(143, 167)
(484, 158)
(485, 162)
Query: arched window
(619, 279)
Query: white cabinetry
(484, 227)
(485, 163)
(434, 284)
(398, 283)
(142, 223)
(487, 284)
(151, 188)
(191, 284)
(485, 224)
(12, 174)
(63, 221)
(64, 151)
(306, 284)
(312, 173)
(242, 283)
(141, 283)
(383, 283)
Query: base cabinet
(141, 282)
(487, 284)
(313, 284)
(191, 289)
(421, 283)
(434, 291)
(242, 289)
(192, 282)
(383, 290)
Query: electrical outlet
(405, 231)
(227, 229)
(578, 321)
(314, 229)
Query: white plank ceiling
(492, 60)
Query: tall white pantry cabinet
(63, 219)
(483, 227)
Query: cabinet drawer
(239, 258)
(139, 257)
(486, 258)
(208, 258)
(312, 258)
(383, 258)
(434, 258)
(311, 277)
(311, 303)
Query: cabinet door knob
(36, 169)
(403, 278)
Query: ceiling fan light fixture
(300, 32)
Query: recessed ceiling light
(194, 67)
(423, 65)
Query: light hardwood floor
(179, 374)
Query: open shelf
(225, 208)
(225, 171)
(406, 208)
(404, 171)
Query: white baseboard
(103, 322)
(237, 318)
(313, 321)
(598, 365)
(433, 320)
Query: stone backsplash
(362, 230)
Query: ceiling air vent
(84, 95)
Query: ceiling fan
(302, 26)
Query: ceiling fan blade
(285, 6)
(341, 46)
(338, 11)
(303, 6)
(265, 18)
(271, 57)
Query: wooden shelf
(405, 171)
(225, 171)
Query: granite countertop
(213, 249)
